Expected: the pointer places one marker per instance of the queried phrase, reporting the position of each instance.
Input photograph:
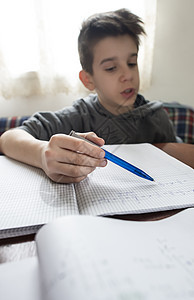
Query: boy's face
(115, 73)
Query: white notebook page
(113, 189)
(99, 258)
(29, 197)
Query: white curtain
(38, 43)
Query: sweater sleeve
(42, 125)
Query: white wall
(173, 63)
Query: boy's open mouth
(128, 93)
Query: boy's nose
(126, 74)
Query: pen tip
(151, 179)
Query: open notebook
(92, 258)
(29, 199)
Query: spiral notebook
(29, 199)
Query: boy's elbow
(4, 140)
(8, 140)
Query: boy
(108, 47)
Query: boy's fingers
(76, 145)
(72, 170)
(91, 136)
(79, 163)
(74, 158)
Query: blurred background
(39, 62)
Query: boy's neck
(117, 110)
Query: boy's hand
(66, 159)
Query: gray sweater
(146, 123)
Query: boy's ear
(87, 80)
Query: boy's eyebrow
(115, 58)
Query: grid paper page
(113, 190)
(28, 197)
(107, 259)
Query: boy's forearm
(181, 151)
(20, 145)
(63, 158)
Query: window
(38, 43)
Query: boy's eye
(110, 69)
(132, 65)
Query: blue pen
(117, 160)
